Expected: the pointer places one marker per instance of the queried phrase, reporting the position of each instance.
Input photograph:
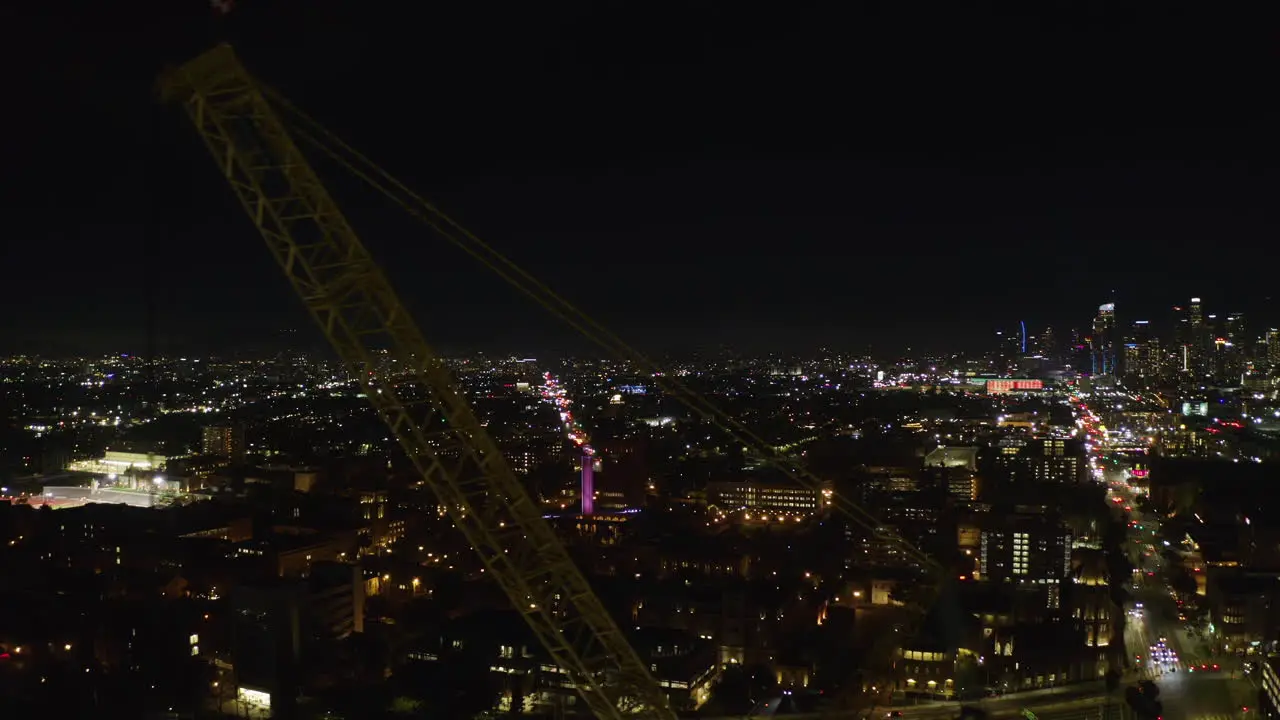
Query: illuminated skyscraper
(1196, 340)
(1234, 328)
(1007, 350)
(1048, 346)
(1230, 360)
(1141, 354)
(1104, 340)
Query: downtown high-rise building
(1231, 350)
(1103, 341)
(1141, 354)
(1047, 344)
(1193, 338)
(1009, 347)
(1198, 339)
(1234, 328)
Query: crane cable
(379, 179)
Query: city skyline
(302, 338)
(1027, 334)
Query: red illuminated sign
(1011, 385)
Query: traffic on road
(1167, 648)
(1165, 635)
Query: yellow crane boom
(364, 320)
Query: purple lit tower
(588, 481)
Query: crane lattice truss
(408, 384)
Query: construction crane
(360, 314)
(364, 320)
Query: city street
(1190, 688)
(1194, 684)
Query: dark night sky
(692, 173)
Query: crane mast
(408, 385)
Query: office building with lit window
(1042, 460)
(1024, 547)
(1269, 693)
(224, 441)
(759, 497)
(1141, 354)
(1103, 342)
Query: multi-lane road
(1194, 684)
